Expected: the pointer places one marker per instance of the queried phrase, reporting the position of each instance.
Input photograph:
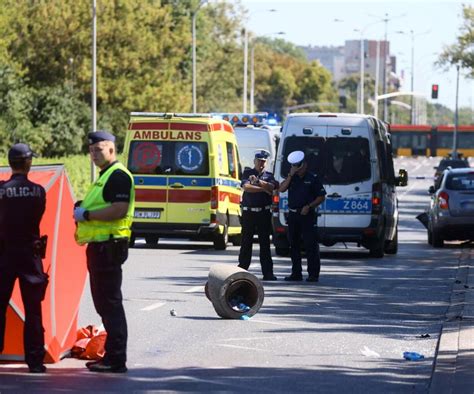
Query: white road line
(250, 339)
(241, 347)
(153, 306)
(195, 289)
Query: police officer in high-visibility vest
(258, 186)
(22, 204)
(104, 220)
(305, 194)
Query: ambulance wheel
(220, 240)
(151, 239)
(391, 247)
(236, 240)
(377, 248)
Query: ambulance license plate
(147, 214)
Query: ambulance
(186, 171)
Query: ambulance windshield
(168, 158)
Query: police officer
(258, 186)
(104, 220)
(22, 204)
(305, 194)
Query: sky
(435, 24)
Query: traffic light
(434, 91)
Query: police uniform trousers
(105, 276)
(303, 226)
(18, 260)
(259, 223)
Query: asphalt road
(346, 333)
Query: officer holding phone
(258, 186)
(104, 220)
(305, 194)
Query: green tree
(461, 52)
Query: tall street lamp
(252, 70)
(412, 88)
(94, 77)
(194, 14)
(246, 61)
(456, 116)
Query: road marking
(153, 306)
(369, 352)
(241, 347)
(195, 289)
(250, 339)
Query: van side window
(383, 161)
(231, 160)
(347, 160)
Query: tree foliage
(462, 52)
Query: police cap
(20, 152)
(296, 158)
(100, 135)
(262, 154)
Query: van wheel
(377, 249)
(151, 239)
(131, 241)
(220, 240)
(437, 239)
(282, 251)
(391, 247)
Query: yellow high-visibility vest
(99, 230)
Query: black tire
(391, 247)
(438, 241)
(151, 239)
(131, 242)
(236, 240)
(377, 249)
(282, 251)
(220, 240)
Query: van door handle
(334, 195)
(177, 185)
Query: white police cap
(296, 157)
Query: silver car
(451, 213)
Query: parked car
(448, 162)
(451, 212)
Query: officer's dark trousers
(106, 281)
(259, 223)
(302, 226)
(20, 262)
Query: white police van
(352, 154)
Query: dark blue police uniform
(257, 218)
(22, 204)
(302, 191)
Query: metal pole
(412, 120)
(377, 76)
(94, 77)
(456, 117)
(246, 52)
(361, 73)
(194, 58)
(252, 78)
(385, 102)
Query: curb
(453, 370)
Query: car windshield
(453, 164)
(336, 160)
(460, 181)
(168, 158)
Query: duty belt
(256, 209)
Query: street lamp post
(252, 71)
(246, 60)
(456, 116)
(194, 14)
(94, 77)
